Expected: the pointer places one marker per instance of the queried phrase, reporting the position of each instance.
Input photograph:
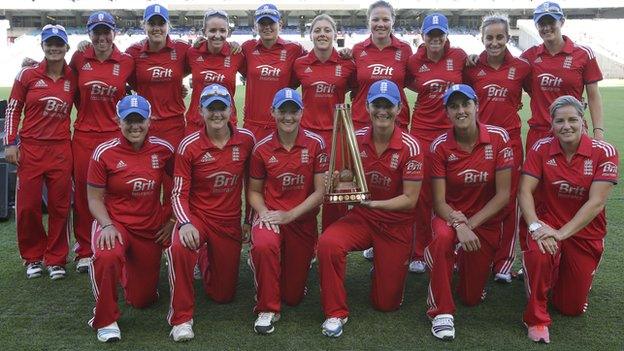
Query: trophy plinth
(349, 184)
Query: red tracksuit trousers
(281, 263)
(474, 267)
(569, 274)
(50, 163)
(392, 243)
(223, 246)
(135, 264)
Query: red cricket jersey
(207, 68)
(289, 175)
(324, 85)
(471, 176)
(372, 65)
(208, 181)
(430, 81)
(267, 71)
(385, 173)
(132, 181)
(101, 85)
(158, 76)
(565, 73)
(564, 186)
(499, 91)
(46, 104)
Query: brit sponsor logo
(213, 77)
(268, 72)
(496, 92)
(569, 191)
(379, 180)
(86, 67)
(235, 153)
(588, 167)
(323, 158)
(473, 176)
(609, 168)
(291, 181)
(256, 52)
(436, 86)
(54, 107)
(394, 161)
(507, 153)
(549, 82)
(414, 166)
(207, 158)
(223, 181)
(142, 186)
(101, 90)
(155, 161)
(323, 89)
(378, 70)
(305, 156)
(160, 73)
(489, 153)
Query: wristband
(455, 225)
(600, 129)
(183, 224)
(106, 226)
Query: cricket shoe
(332, 327)
(83, 265)
(368, 253)
(34, 270)
(109, 333)
(504, 278)
(442, 327)
(264, 324)
(57, 272)
(539, 334)
(183, 331)
(417, 266)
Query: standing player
(560, 67)
(286, 186)
(574, 175)
(42, 152)
(381, 56)
(125, 177)
(325, 77)
(210, 168)
(392, 161)
(470, 179)
(498, 78)
(213, 62)
(269, 68)
(102, 72)
(433, 68)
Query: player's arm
(106, 240)
(598, 194)
(594, 101)
(403, 202)
(255, 197)
(496, 203)
(13, 117)
(312, 201)
(528, 184)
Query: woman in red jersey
(470, 178)
(573, 175)
(432, 69)
(42, 152)
(498, 78)
(325, 77)
(131, 224)
(560, 67)
(269, 61)
(214, 61)
(286, 186)
(102, 72)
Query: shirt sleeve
(505, 156)
(533, 164)
(256, 166)
(181, 187)
(438, 164)
(97, 174)
(608, 163)
(591, 71)
(13, 113)
(321, 160)
(413, 168)
(168, 170)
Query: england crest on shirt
(449, 64)
(394, 161)
(116, 69)
(567, 63)
(235, 153)
(397, 55)
(227, 62)
(338, 72)
(512, 73)
(174, 55)
(588, 167)
(66, 86)
(489, 153)
(283, 55)
(155, 162)
(305, 156)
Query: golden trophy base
(347, 197)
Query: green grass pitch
(44, 315)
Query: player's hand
(199, 41)
(457, 217)
(545, 231)
(185, 91)
(279, 217)
(106, 240)
(83, 46)
(11, 154)
(467, 238)
(472, 60)
(28, 62)
(333, 180)
(246, 232)
(345, 53)
(548, 245)
(369, 203)
(235, 48)
(264, 222)
(164, 234)
(598, 134)
(189, 236)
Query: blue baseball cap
(54, 30)
(548, 8)
(100, 18)
(384, 89)
(287, 94)
(215, 92)
(435, 21)
(269, 11)
(156, 10)
(133, 104)
(459, 88)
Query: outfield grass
(44, 315)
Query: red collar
(275, 143)
(43, 66)
(584, 148)
(568, 47)
(484, 137)
(234, 140)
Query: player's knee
(470, 299)
(385, 305)
(141, 300)
(107, 257)
(292, 299)
(570, 308)
(329, 246)
(265, 247)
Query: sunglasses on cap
(215, 91)
(213, 12)
(267, 11)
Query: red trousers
(354, 232)
(49, 163)
(223, 246)
(83, 145)
(569, 274)
(506, 253)
(281, 263)
(135, 264)
(474, 267)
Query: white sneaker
(109, 333)
(34, 270)
(264, 322)
(332, 327)
(417, 266)
(502, 278)
(56, 272)
(442, 327)
(182, 332)
(368, 254)
(83, 265)
(197, 274)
